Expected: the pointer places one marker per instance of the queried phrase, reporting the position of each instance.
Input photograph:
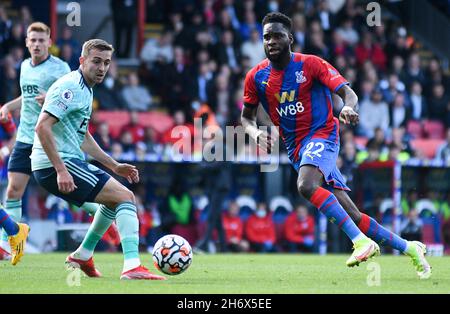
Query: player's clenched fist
(348, 115)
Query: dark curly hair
(277, 17)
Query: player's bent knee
(126, 196)
(14, 191)
(306, 188)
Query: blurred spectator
(136, 96)
(66, 38)
(117, 151)
(398, 46)
(174, 78)
(348, 33)
(409, 201)
(411, 228)
(25, 18)
(391, 87)
(234, 229)
(367, 49)
(397, 63)
(399, 113)
(419, 107)
(260, 230)
(221, 101)
(348, 157)
(249, 25)
(10, 80)
(102, 136)
(299, 29)
(5, 29)
(325, 16)
(58, 210)
(253, 48)
(181, 129)
(159, 49)
(136, 129)
(374, 113)
(202, 83)
(299, 230)
(177, 212)
(67, 54)
(437, 106)
(229, 7)
(443, 151)
(413, 71)
(127, 142)
(124, 19)
(227, 52)
(16, 39)
(152, 142)
(109, 92)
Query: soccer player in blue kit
(295, 91)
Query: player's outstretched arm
(127, 171)
(45, 134)
(8, 107)
(248, 121)
(348, 113)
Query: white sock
(82, 253)
(130, 264)
(359, 237)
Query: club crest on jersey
(67, 95)
(300, 78)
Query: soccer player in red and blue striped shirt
(296, 92)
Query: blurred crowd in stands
(194, 64)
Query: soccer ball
(172, 254)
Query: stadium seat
(159, 121)
(428, 147)
(116, 120)
(414, 128)
(433, 129)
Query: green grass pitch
(231, 273)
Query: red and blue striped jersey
(297, 99)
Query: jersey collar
(84, 80)
(35, 65)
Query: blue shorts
(88, 178)
(20, 161)
(323, 154)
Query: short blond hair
(38, 27)
(98, 44)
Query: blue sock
(381, 235)
(328, 204)
(10, 226)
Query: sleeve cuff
(51, 114)
(339, 86)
